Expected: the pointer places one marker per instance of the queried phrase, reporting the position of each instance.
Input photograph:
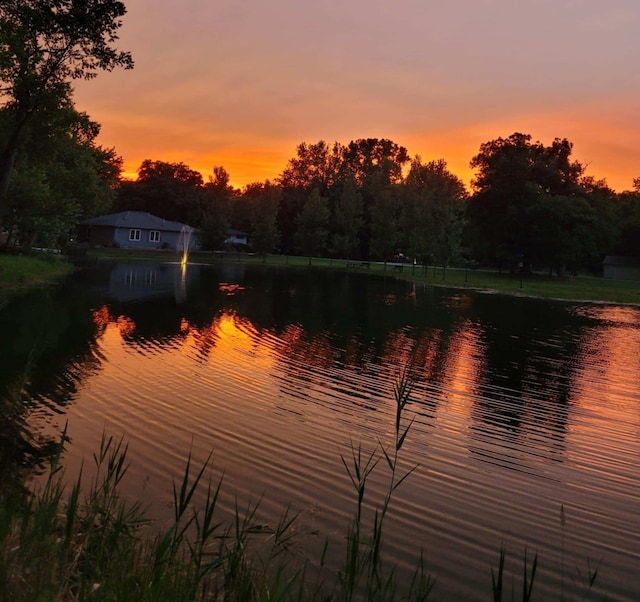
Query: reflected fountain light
(184, 244)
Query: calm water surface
(521, 407)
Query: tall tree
(434, 211)
(264, 201)
(313, 226)
(513, 174)
(168, 190)
(366, 157)
(214, 213)
(385, 233)
(44, 45)
(56, 184)
(607, 221)
(314, 166)
(563, 232)
(376, 164)
(628, 219)
(347, 219)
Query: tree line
(530, 204)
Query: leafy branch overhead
(44, 46)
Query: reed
(365, 574)
(89, 543)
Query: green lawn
(17, 272)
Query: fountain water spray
(184, 242)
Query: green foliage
(215, 210)
(44, 45)
(347, 219)
(385, 233)
(563, 233)
(52, 188)
(172, 191)
(264, 201)
(313, 226)
(433, 212)
(377, 158)
(513, 176)
(533, 205)
(314, 166)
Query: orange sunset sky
(240, 83)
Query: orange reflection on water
(607, 384)
(235, 340)
(316, 351)
(103, 317)
(461, 371)
(126, 326)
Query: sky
(240, 83)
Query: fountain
(184, 242)
(182, 246)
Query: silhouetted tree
(172, 191)
(214, 212)
(55, 185)
(314, 166)
(433, 218)
(347, 219)
(313, 226)
(44, 45)
(264, 201)
(385, 232)
(513, 175)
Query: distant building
(136, 230)
(619, 267)
(236, 237)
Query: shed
(236, 237)
(620, 267)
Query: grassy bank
(21, 272)
(575, 288)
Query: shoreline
(575, 289)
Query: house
(136, 230)
(236, 237)
(619, 267)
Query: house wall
(96, 235)
(100, 235)
(235, 239)
(167, 239)
(622, 272)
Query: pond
(526, 413)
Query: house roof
(622, 260)
(135, 219)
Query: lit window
(134, 234)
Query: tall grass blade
(497, 581)
(527, 584)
